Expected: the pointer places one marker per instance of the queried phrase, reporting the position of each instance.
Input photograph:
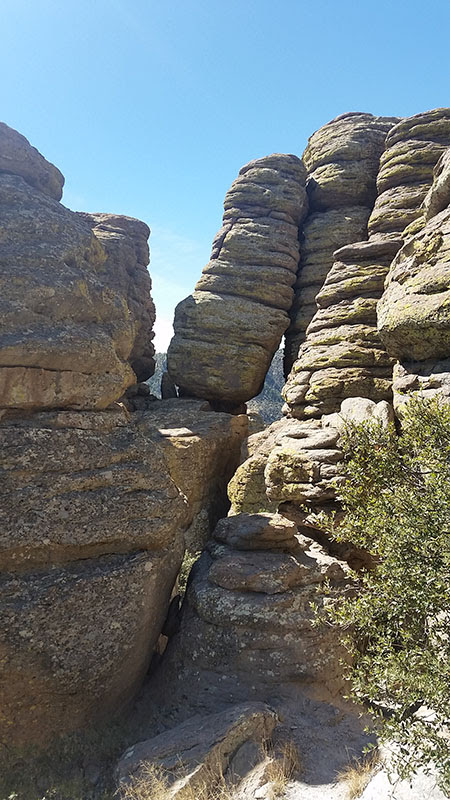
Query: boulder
(94, 507)
(201, 752)
(228, 330)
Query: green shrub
(396, 495)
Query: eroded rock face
(228, 330)
(342, 160)
(247, 622)
(343, 355)
(18, 157)
(413, 148)
(125, 241)
(94, 507)
(414, 312)
(76, 309)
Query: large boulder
(94, 509)
(200, 753)
(76, 309)
(228, 330)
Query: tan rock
(65, 332)
(18, 157)
(198, 753)
(94, 508)
(125, 241)
(228, 330)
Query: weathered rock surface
(18, 157)
(342, 160)
(64, 337)
(343, 355)
(414, 312)
(94, 506)
(413, 147)
(202, 751)
(247, 623)
(438, 196)
(227, 331)
(125, 241)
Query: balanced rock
(228, 330)
(342, 160)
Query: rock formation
(94, 501)
(343, 355)
(342, 160)
(103, 486)
(125, 242)
(413, 313)
(227, 331)
(248, 623)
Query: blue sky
(150, 108)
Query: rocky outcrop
(74, 313)
(343, 355)
(94, 506)
(125, 241)
(18, 157)
(95, 502)
(248, 623)
(342, 160)
(227, 331)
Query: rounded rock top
(19, 157)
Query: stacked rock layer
(248, 623)
(94, 501)
(343, 355)
(342, 159)
(228, 330)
